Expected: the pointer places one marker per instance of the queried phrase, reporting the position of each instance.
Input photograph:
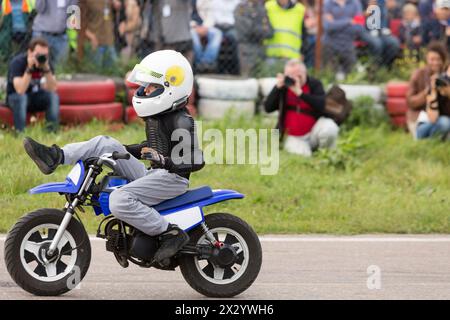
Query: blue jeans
(42, 100)
(59, 46)
(105, 56)
(384, 48)
(207, 55)
(428, 129)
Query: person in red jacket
(300, 100)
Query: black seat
(190, 196)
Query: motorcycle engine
(143, 246)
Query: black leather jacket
(173, 135)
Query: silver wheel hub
(33, 254)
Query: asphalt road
(294, 267)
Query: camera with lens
(443, 80)
(288, 81)
(41, 59)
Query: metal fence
(249, 38)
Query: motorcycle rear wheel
(208, 278)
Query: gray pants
(133, 202)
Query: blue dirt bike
(48, 250)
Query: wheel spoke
(218, 273)
(51, 269)
(221, 236)
(33, 248)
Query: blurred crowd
(229, 36)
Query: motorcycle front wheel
(25, 253)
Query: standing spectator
(145, 45)
(25, 89)
(203, 30)
(251, 35)
(394, 9)
(438, 28)
(411, 28)
(300, 100)
(311, 26)
(287, 19)
(225, 22)
(100, 32)
(170, 26)
(421, 82)
(50, 23)
(14, 26)
(426, 9)
(436, 119)
(383, 46)
(129, 28)
(340, 31)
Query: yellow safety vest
(27, 6)
(287, 25)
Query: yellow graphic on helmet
(175, 76)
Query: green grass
(378, 181)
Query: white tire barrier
(266, 85)
(211, 109)
(227, 88)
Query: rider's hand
(156, 159)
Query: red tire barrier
(89, 92)
(397, 89)
(131, 115)
(7, 117)
(87, 112)
(399, 121)
(396, 106)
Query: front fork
(69, 208)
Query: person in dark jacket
(438, 28)
(300, 100)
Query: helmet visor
(143, 76)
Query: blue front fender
(71, 185)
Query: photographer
(301, 101)
(32, 85)
(435, 121)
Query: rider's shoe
(46, 158)
(171, 241)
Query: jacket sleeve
(135, 149)
(414, 96)
(272, 102)
(41, 6)
(186, 156)
(316, 98)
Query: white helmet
(169, 74)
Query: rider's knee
(118, 201)
(107, 144)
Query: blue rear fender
(218, 195)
